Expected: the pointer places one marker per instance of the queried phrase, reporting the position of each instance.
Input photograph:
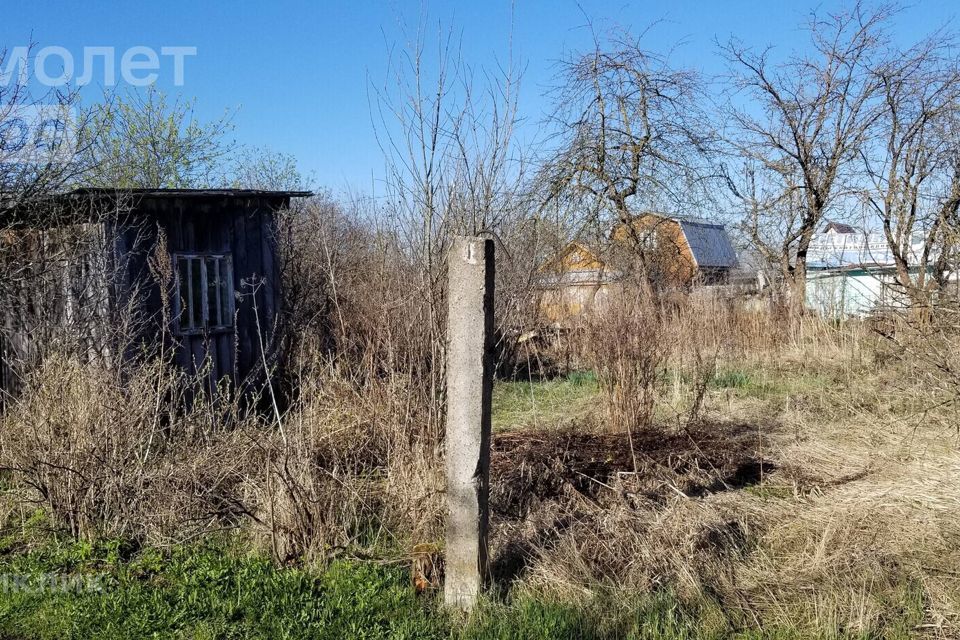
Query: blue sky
(297, 72)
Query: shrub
(625, 345)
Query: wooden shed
(107, 274)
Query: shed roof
(80, 204)
(190, 193)
(709, 243)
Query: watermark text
(55, 66)
(53, 583)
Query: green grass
(753, 384)
(770, 492)
(211, 591)
(208, 592)
(567, 401)
(218, 590)
(733, 379)
(656, 616)
(543, 404)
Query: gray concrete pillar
(469, 390)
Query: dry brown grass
(853, 522)
(347, 468)
(803, 477)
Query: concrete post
(469, 390)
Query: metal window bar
(177, 294)
(228, 298)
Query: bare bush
(626, 346)
(79, 441)
(346, 468)
(927, 348)
(352, 467)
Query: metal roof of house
(709, 243)
(839, 227)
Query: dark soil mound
(528, 468)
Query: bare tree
(913, 171)
(629, 135)
(447, 137)
(264, 168)
(805, 123)
(42, 137)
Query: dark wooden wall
(122, 272)
(242, 227)
(54, 299)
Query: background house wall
(851, 272)
(577, 281)
(667, 252)
(841, 293)
(58, 297)
(674, 254)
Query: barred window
(204, 296)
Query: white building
(852, 272)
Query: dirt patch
(542, 483)
(528, 468)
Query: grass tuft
(548, 404)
